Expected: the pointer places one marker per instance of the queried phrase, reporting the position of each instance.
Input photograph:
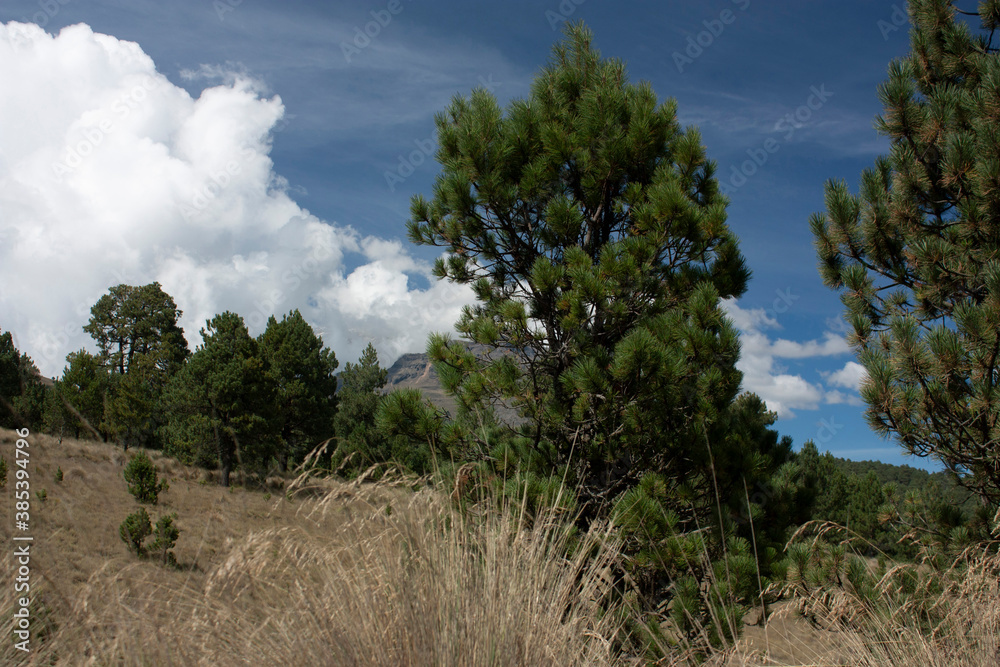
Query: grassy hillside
(325, 573)
(331, 573)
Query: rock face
(417, 371)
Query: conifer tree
(76, 401)
(593, 232)
(916, 253)
(222, 401)
(140, 345)
(302, 371)
(22, 395)
(129, 321)
(359, 399)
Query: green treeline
(256, 404)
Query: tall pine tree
(354, 425)
(916, 254)
(592, 230)
(302, 371)
(593, 233)
(222, 402)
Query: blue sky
(306, 133)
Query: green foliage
(59, 475)
(931, 526)
(222, 404)
(593, 234)
(134, 529)
(22, 395)
(140, 473)
(76, 402)
(412, 428)
(831, 585)
(562, 213)
(133, 411)
(131, 321)
(360, 443)
(915, 252)
(165, 535)
(302, 371)
(913, 513)
(140, 346)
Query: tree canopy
(222, 402)
(303, 373)
(592, 230)
(916, 253)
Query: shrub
(140, 473)
(164, 537)
(59, 475)
(3, 472)
(134, 529)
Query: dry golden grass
(366, 574)
(966, 629)
(356, 575)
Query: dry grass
(369, 574)
(964, 629)
(360, 575)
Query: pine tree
(302, 371)
(22, 395)
(221, 403)
(141, 346)
(76, 400)
(354, 425)
(592, 230)
(916, 254)
(129, 321)
(593, 233)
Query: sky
(260, 156)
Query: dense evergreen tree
(359, 396)
(22, 395)
(303, 373)
(222, 402)
(76, 402)
(593, 233)
(917, 252)
(129, 321)
(141, 346)
(133, 407)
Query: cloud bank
(110, 173)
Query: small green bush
(3, 472)
(59, 475)
(164, 537)
(134, 529)
(140, 473)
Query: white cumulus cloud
(765, 376)
(110, 173)
(849, 377)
